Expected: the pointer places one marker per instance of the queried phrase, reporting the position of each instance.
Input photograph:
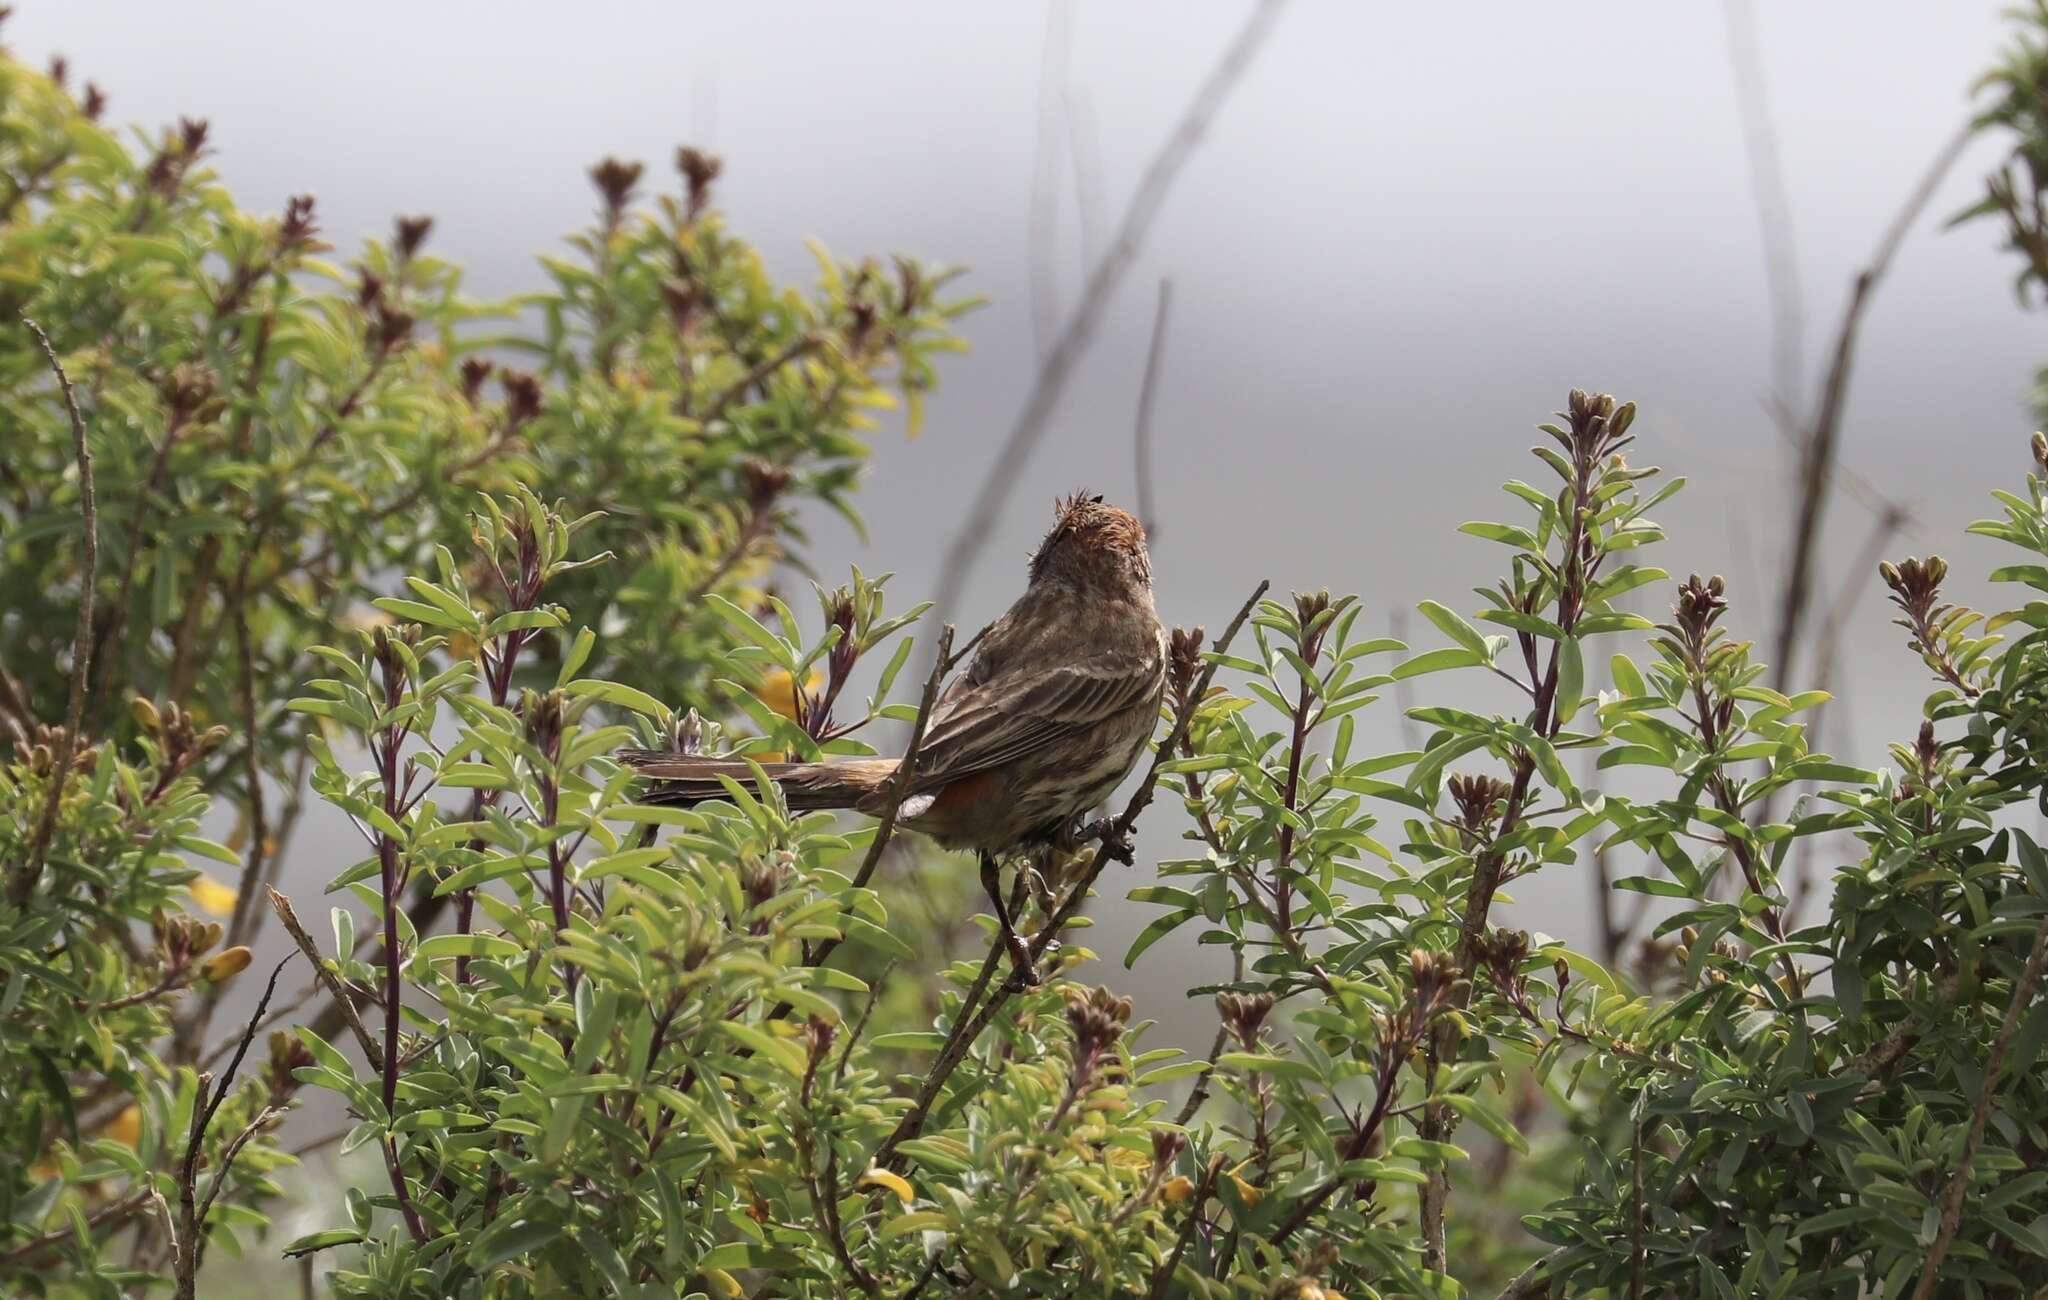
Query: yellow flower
(894, 1182)
(226, 964)
(778, 693)
(125, 1128)
(1247, 1192)
(1178, 1189)
(213, 898)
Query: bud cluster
(1244, 1014)
(1097, 1017)
(1480, 800)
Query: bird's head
(1091, 543)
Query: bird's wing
(1014, 714)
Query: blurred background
(1408, 232)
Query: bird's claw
(1115, 842)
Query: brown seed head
(474, 371)
(615, 180)
(1243, 1014)
(699, 170)
(410, 235)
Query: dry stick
(970, 1028)
(191, 1233)
(1030, 426)
(1817, 454)
(1994, 1065)
(335, 989)
(1045, 176)
(1773, 205)
(259, 816)
(1085, 152)
(81, 640)
(1533, 1280)
(1148, 393)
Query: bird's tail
(692, 779)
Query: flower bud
(226, 964)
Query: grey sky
(1412, 230)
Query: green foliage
(594, 1047)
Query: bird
(1055, 709)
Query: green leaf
(1456, 628)
(1431, 661)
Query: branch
(1533, 1280)
(1148, 392)
(335, 989)
(1773, 205)
(1045, 175)
(191, 1232)
(796, 347)
(1994, 1065)
(1053, 373)
(970, 1029)
(81, 639)
(1817, 454)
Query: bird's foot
(1115, 842)
(1024, 972)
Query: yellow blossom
(225, 964)
(1248, 1193)
(125, 1128)
(778, 693)
(1178, 1189)
(894, 1182)
(212, 897)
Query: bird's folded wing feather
(996, 722)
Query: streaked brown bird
(1048, 719)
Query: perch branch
(31, 869)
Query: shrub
(593, 1047)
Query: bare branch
(335, 989)
(969, 1029)
(1029, 428)
(81, 640)
(1533, 1280)
(1045, 176)
(1148, 395)
(1773, 205)
(1994, 1065)
(1818, 450)
(1084, 151)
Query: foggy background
(1411, 230)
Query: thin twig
(1148, 394)
(191, 1232)
(113, 1211)
(81, 640)
(1084, 151)
(1994, 1066)
(970, 1029)
(335, 989)
(1045, 176)
(1818, 451)
(1533, 1280)
(1773, 205)
(796, 347)
(259, 816)
(1029, 428)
